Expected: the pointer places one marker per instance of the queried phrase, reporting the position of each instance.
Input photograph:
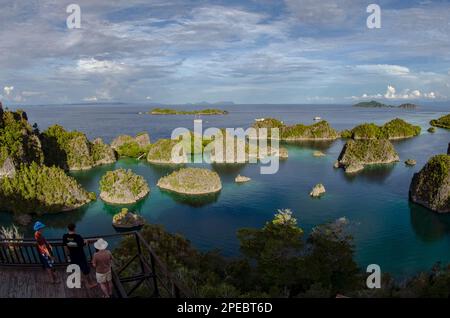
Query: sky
(255, 51)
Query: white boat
(259, 119)
(317, 118)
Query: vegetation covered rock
(358, 153)
(161, 152)
(69, 150)
(318, 131)
(102, 153)
(318, 190)
(127, 220)
(40, 189)
(122, 187)
(191, 181)
(410, 162)
(133, 147)
(442, 122)
(241, 179)
(394, 129)
(430, 187)
(19, 142)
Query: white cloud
(90, 99)
(391, 93)
(384, 69)
(91, 65)
(8, 90)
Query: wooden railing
(142, 274)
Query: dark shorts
(84, 266)
(46, 261)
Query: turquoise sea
(401, 237)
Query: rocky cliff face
(358, 153)
(102, 153)
(430, 187)
(18, 143)
(71, 150)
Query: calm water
(401, 237)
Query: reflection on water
(371, 173)
(193, 200)
(321, 145)
(428, 225)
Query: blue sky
(266, 51)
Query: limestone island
(431, 130)
(357, 153)
(71, 150)
(133, 147)
(161, 152)
(317, 131)
(191, 181)
(169, 111)
(410, 162)
(38, 189)
(442, 122)
(430, 187)
(241, 179)
(122, 187)
(127, 220)
(394, 129)
(30, 181)
(317, 191)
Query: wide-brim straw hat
(101, 244)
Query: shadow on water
(371, 173)
(61, 220)
(321, 145)
(195, 201)
(429, 226)
(161, 170)
(112, 209)
(228, 168)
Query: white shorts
(103, 278)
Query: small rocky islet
(127, 220)
(358, 153)
(122, 187)
(191, 181)
(317, 191)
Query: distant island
(169, 111)
(375, 104)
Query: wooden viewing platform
(142, 274)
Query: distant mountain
(203, 103)
(371, 104)
(408, 106)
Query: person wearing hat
(102, 262)
(44, 251)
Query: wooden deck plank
(34, 283)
